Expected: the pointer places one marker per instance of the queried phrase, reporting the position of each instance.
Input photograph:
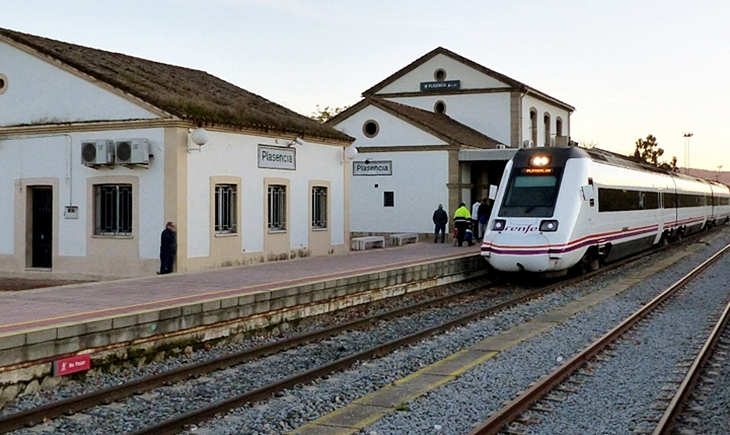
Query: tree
(648, 151)
(588, 145)
(324, 115)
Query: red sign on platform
(74, 364)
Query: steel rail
(103, 396)
(185, 421)
(678, 402)
(108, 395)
(514, 408)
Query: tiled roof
(182, 92)
(438, 124)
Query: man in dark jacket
(168, 248)
(440, 219)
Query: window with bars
(225, 209)
(277, 207)
(113, 210)
(319, 207)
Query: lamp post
(719, 171)
(686, 151)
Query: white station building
(440, 131)
(98, 150)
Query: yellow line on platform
(365, 411)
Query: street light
(719, 171)
(686, 151)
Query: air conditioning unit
(97, 152)
(501, 146)
(527, 144)
(133, 152)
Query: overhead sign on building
(372, 167)
(440, 86)
(277, 157)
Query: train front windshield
(531, 194)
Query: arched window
(546, 120)
(558, 127)
(533, 126)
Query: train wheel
(588, 263)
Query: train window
(626, 200)
(532, 191)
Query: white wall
(469, 77)
(393, 131)
(39, 92)
(236, 156)
(488, 113)
(419, 182)
(59, 156)
(529, 102)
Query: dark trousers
(461, 227)
(166, 263)
(439, 228)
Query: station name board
(373, 167)
(440, 86)
(277, 157)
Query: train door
(41, 220)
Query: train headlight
(499, 224)
(540, 160)
(549, 225)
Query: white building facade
(445, 127)
(93, 166)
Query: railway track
(190, 419)
(679, 405)
(513, 411)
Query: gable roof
(514, 84)
(437, 124)
(182, 92)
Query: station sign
(71, 365)
(450, 85)
(372, 167)
(277, 157)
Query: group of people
(470, 226)
(464, 221)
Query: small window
(388, 199)
(113, 210)
(3, 83)
(439, 107)
(225, 209)
(439, 75)
(319, 207)
(277, 207)
(370, 128)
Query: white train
(563, 208)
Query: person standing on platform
(475, 218)
(440, 219)
(168, 249)
(485, 210)
(462, 218)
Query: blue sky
(630, 68)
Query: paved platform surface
(55, 306)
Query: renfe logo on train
(71, 365)
(520, 228)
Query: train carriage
(559, 208)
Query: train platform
(115, 319)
